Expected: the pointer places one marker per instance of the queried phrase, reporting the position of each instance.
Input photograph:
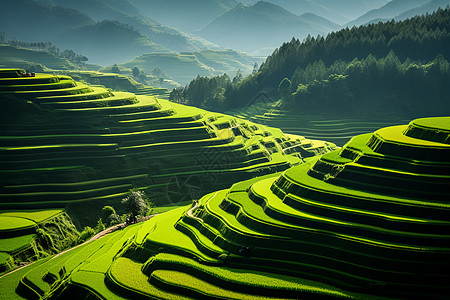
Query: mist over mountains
(113, 31)
(244, 26)
(339, 12)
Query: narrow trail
(95, 237)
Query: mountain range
(95, 42)
(187, 16)
(249, 28)
(388, 11)
(117, 31)
(339, 12)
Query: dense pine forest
(395, 63)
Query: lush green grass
(307, 235)
(9, 223)
(85, 153)
(197, 287)
(127, 273)
(36, 216)
(163, 209)
(95, 283)
(435, 124)
(241, 277)
(16, 243)
(8, 283)
(395, 134)
(4, 258)
(167, 235)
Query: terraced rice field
(18, 232)
(69, 144)
(11, 56)
(368, 221)
(117, 82)
(328, 128)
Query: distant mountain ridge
(426, 8)
(340, 12)
(100, 10)
(388, 11)
(126, 12)
(249, 28)
(58, 24)
(32, 21)
(187, 16)
(96, 43)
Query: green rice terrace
(368, 221)
(329, 128)
(68, 148)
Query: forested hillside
(401, 63)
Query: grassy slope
(199, 249)
(108, 142)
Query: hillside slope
(69, 145)
(108, 42)
(20, 57)
(185, 66)
(369, 221)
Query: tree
(86, 234)
(158, 73)
(136, 203)
(109, 216)
(255, 68)
(285, 88)
(136, 72)
(3, 37)
(115, 69)
(238, 78)
(100, 226)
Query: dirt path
(95, 237)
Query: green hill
(185, 66)
(66, 144)
(22, 57)
(368, 221)
(117, 82)
(108, 42)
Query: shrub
(100, 226)
(86, 234)
(45, 239)
(136, 202)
